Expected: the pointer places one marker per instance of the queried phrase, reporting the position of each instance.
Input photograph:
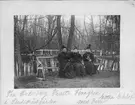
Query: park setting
(66, 51)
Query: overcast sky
(80, 19)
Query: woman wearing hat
(89, 59)
(78, 66)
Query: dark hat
(62, 47)
(89, 45)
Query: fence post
(52, 64)
(100, 52)
(42, 52)
(24, 66)
(28, 68)
(44, 70)
(50, 52)
(17, 69)
(106, 61)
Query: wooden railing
(46, 60)
(48, 52)
(27, 69)
(108, 64)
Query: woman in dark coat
(78, 66)
(89, 59)
(66, 66)
(88, 64)
(62, 58)
(69, 68)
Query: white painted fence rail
(49, 52)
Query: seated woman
(63, 59)
(66, 66)
(78, 66)
(69, 67)
(89, 59)
(88, 64)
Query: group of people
(73, 64)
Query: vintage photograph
(66, 51)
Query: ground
(108, 79)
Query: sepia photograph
(66, 51)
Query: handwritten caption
(78, 96)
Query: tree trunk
(92, 25)
(15, 56)
(71, 33)
(17, 53)
(49, 30)
(19, 38)
(59, 35)
(112, 34)
(100, 34)
(18, 56)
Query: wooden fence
(47, 61)
(48, 52)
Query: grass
(102, 80)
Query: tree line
(51, 31)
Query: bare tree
(71, 33)
(59, 35)
(92, 24)
(85, 27)
(19, 38)
(18, 60)
(100, 33)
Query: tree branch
(85, 27)
(80, 33)
(48, 40)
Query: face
(75, 50)
(88, 50)
(64, 50)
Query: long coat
(89, 65)
(69, 68)
(63, 59)
(78, 66)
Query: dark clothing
(63, 56)
(95, 69)
(77, 57)
(89, 65)
(79, 69)
(69, 70)
(75, 68)
(78, 66)
(70, 65)
(66, 66)
(91, 56)
(63, 59)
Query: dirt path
(103, 79)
